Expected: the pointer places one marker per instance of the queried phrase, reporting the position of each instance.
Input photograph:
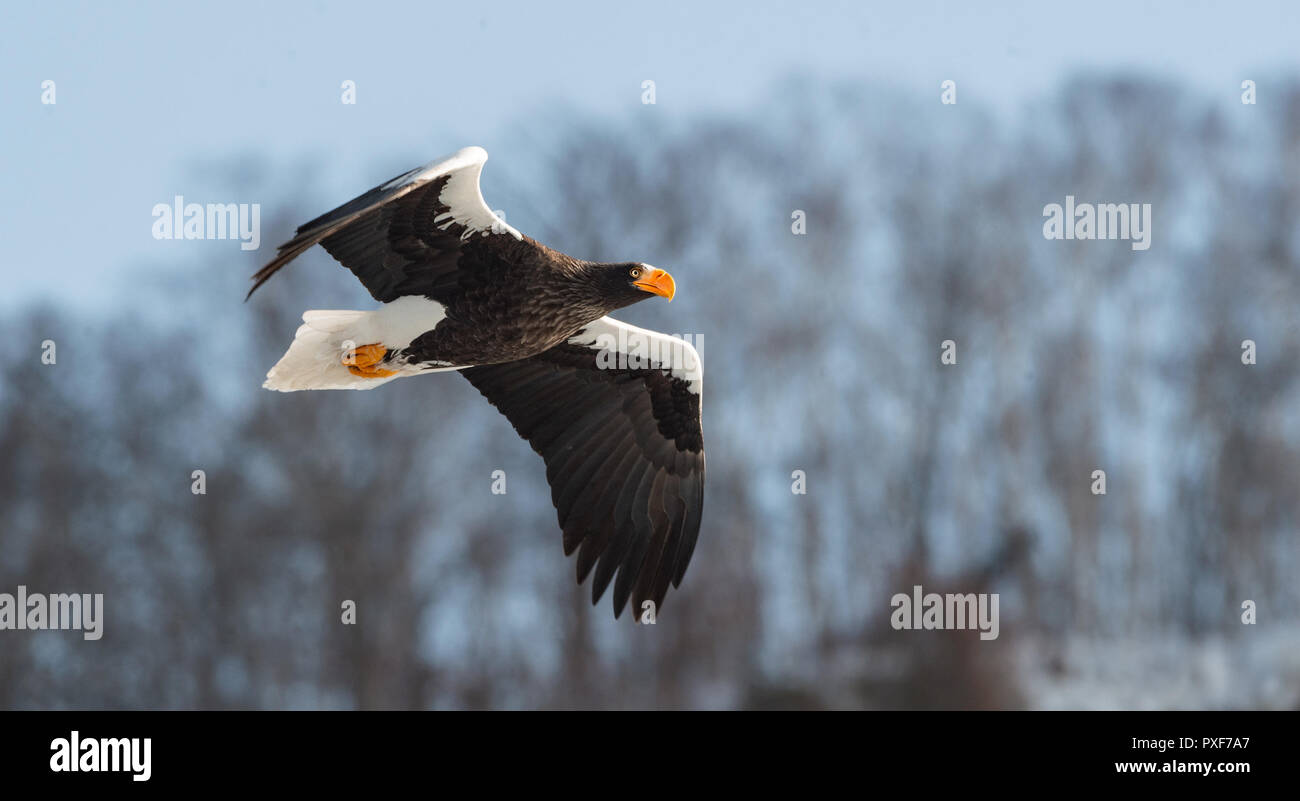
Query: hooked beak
(657, 282)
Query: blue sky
(153, 99)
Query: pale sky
(150, 94)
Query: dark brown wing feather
(624, 458)
(401, 239)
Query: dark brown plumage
(613, 410)
(624, 457)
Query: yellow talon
(361, 361)
(365, 356)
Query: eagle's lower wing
(418, 234)
(615, 413)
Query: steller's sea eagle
(614, 410)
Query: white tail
(315, 359)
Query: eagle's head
(626, 283)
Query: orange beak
(657, 282)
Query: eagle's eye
(635, 272)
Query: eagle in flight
(614, 410)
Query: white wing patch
(461, 194)
(626, 346)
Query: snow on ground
(1260, 670)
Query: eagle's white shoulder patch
(626, 346)
(461, 195)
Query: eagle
(613, 410)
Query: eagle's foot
(363, 361)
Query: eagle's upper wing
(615, 413)
(412, 235)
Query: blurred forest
(821, 351)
